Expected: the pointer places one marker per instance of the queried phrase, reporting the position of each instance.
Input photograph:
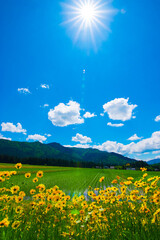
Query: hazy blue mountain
(154, 161)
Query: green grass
(70, 180)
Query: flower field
(67, 203)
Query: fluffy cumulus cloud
(79, 146)
(10, 127)
(89, 115)
(157, 119)
(45, 86)
(82, 139)
(148, 144)
(111, 146)
(4, 138)
(36, 137)
(115, 124)
(119, 109)
(66, 114)
(23, 90)
(134, 138)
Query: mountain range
(154, 161)
(57, 151)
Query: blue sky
(96, 95)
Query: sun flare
(88, 16)
(88, 12)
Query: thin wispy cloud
(115, 124)
(78, 146)
(45, 105)
(45, 86)
(48, 135)
(23, 90)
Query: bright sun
(88, 16)
(87, 12)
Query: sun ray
(88, 17)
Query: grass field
(120, 209)
(70, 180)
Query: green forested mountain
(57, 151)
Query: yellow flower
(41, 187)
(101, 179)
(143, 169)
(18, 165)
(4, 223)
(2, 179)
(130, 178)
(32, 191)
(40, 174)
(19, 210)
(145, 175)
(35, 180)
(114, 181)
(18, 199)
(27, 175)
(22, 194)
(15, 189)
(15, 224)
(49, 206)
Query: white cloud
(78, 146)
(10, 127)
(119, 109)
(148, 144)
(157, 157)
(66, 114)
(89, 115)
(134, 138)
(4, 138)
(36, 137)
(102, 114)
(45, 86)
(156, 152)
(115, 124)
(157, 119)
(45, 105)
(48, 135)
(111, 146)
(23, 90)
(82, 139)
